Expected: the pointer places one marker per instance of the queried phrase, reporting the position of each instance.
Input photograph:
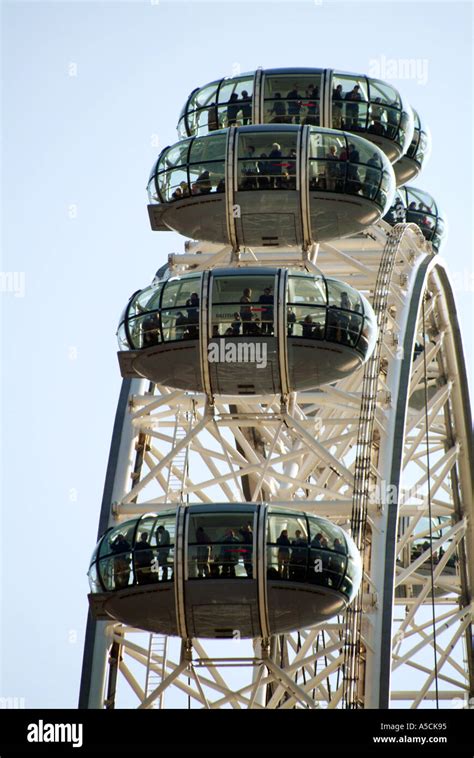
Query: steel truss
(386, 451)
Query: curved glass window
(348, 165)
(139, 551)
(287, 546)
(303, 548)
(191, 167)
(292, 99)
(412, 205)
(218, 105)
(421, 209)
(327, 309)
(362, 104)
(164, 312)
(243, 305)
(221, 545)
(267, 160)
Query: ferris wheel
(287, 513)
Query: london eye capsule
(253, 331)
(224, 570)
(412, 205)
(410, 164)
(268, 186)
(319, 97)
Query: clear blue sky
(86, 141)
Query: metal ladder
(175, 482)
(157, 647)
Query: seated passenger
(376, 127)
(279, 109)
(236, 325)
(215, 331)
(221, 185)
(121, 548)
(203, 184)
(246, 108)
(143, 561)
(233, 109)
(308, 327)
(317, 540)
(151, 330)
(283, 556)
(177, 194)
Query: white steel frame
(355, 452)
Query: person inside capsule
(221, 545)
(243, 306)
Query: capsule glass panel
(242, 305)
(220, 545)
(287, 546)
(292, 99)
(349, 165)
(267, 160)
